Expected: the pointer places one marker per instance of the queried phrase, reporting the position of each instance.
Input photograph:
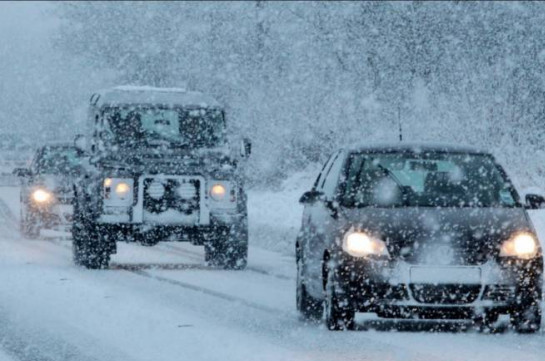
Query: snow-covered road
(162, 303)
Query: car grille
(177, 194)
(449, 294)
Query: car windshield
(426, 180)
(58, 160)
(137, 126)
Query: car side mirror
(535, 201)
(22, 172)
(80, 142)
(310, 197)
(245, 148)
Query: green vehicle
(161, 169)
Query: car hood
(440, 235)
(58, 184)
(201, 161)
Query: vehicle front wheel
(527, 319)
(339, 314)
(90, 248)
(308, 307)
(29, 225)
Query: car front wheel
(527, 319)
(339, 314)
(308, 307)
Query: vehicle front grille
(177, 194)
(448, 294)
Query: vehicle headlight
(218, 192)
(522, 245)
(122, 190)
(41, 196)
(360, 244)
(118, 191)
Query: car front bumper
(394, 289)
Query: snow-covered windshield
(426, 180)
(137, 126)
(58, 160)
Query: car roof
(125, 95)
(411, 147)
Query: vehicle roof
(56, 145)
(124, 95)
(417, 148)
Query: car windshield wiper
(403, 189)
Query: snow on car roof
(417, 147)
(129, 94)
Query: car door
(321, 223)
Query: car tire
(308, 307)
(90, 248)
(527, 319)
(29, 226)
(229, 249)
(339, 315)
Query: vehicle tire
(229, 249)
(487, 323)
(339, 315)
(90, 247)
(527, 319)
(29, 225)
(308, 307)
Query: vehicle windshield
(137, 126)
(426, 180)
(58, 160)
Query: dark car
(162, 169)
(47, 189)
(418, 231)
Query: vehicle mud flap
(228, 248)
(91, 245)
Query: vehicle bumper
(196, 234)
(391, 290)
(56, 217)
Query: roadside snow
(275, 215)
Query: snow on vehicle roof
(128, 94)
(417, 147)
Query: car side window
(316, 185)
(328, 169)
(332, 178)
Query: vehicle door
(322, 222)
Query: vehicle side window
(332, 179)
(35, 161)
(328, 169)
(322, 174)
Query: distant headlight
(41, 196)
(217, 192)
(122, 190)
(359, 244)
(522, 245)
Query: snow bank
(275, 215)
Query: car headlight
(521, 245)
(360, 244)
(41, 196)
(218, 192)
